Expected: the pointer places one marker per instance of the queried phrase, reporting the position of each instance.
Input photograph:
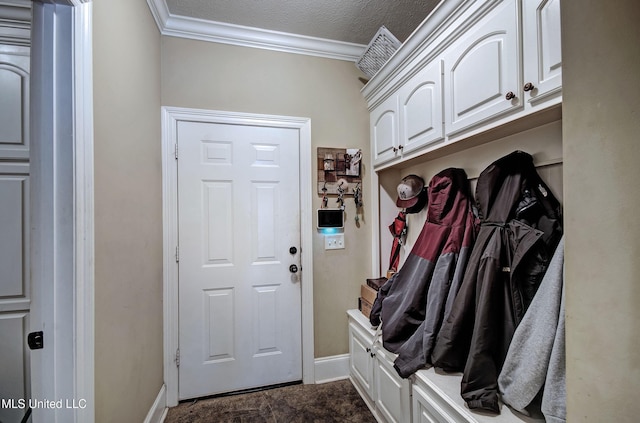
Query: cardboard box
(368, 293)
(365, 307)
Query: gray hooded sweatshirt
(536, 357)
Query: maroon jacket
(415, 301)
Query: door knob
(293, 268)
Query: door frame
(170, 118)
(62, 239)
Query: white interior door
(15, 287)
(239, 216)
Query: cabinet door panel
(361, 361)
(481, 68)
(424, 409)
(542, 48)
(421, 108)
(384, 130)
(391, 391)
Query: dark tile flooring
(324, 403)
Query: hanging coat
(525, 374)
(520, 228)
(413, 303)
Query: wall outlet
(334, 242)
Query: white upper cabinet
(411, 118)
(421, 111)
(542, 54)
(470, 67)
(384, 131)
(482, 70)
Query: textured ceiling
(354, 21)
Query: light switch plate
(334, 242)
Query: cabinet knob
(528, 86)
(368, 349)
(510, 95)
(372, 355)
(400, 147)
(395, 149)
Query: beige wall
(128, 216)
(601, 133)
(221, 77)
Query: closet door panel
(14, 102)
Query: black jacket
(520, 229)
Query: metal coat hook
(325, 200)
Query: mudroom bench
(428, 396)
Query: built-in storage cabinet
(473, 72)
(361, 358)
(542, 51)
(410, 119)
(482, 78)
(432, 405)
(385, 142)
(490, 63)
(392, 393)
(421, 109)
(428, 396)
(371, 370)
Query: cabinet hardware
(368, 349)
(528, 86)
(400, 147)
(510, 95)
(372, 355)
(395, 149)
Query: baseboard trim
(329, 369)
(158, 410)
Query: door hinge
(178, 357)
(177, 254)
(176, 151)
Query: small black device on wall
(330, 218)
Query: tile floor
(324, 403)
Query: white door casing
(239, 304)
(62, 249)
(173, 119)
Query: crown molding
(219, 32)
